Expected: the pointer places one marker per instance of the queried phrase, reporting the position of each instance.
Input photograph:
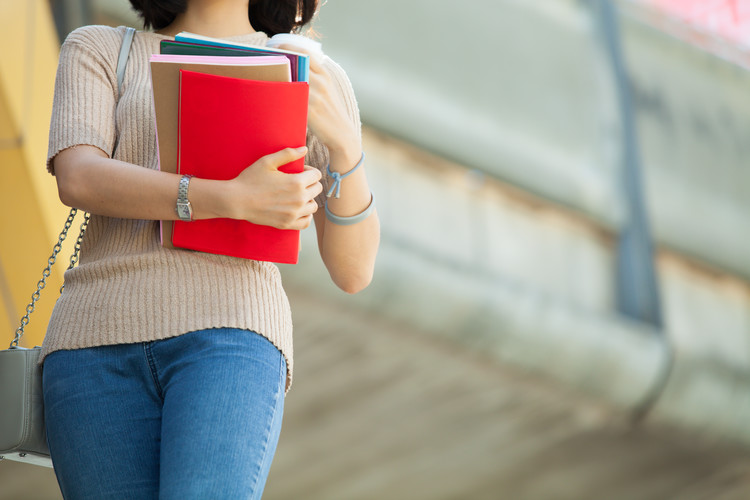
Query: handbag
(22, 432)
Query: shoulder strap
(122, 60)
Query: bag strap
(122, 61)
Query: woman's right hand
(89, 180)
(264, 195)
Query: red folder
(225, 125)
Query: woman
(165, 370)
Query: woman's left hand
(328, 118)
(348, 251)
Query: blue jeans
(194, 416)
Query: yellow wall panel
(15, 17)
(31, 214)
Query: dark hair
(269, 16)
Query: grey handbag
(22, 432)
(22, 435)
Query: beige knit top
(127, 288)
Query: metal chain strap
(77, 247)
(121, 61)
(47, 270)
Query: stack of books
(219, 107)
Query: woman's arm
(348, 251)
(88, 179)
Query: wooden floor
(380, 412)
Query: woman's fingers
(264, 195)
(305, 216)
(304, 222)
(315, 176)
(280, 158)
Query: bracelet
(348, 221)
(338, 177)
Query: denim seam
(269, 425)
(147, 351)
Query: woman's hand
(88, 179)
(327, 117)
(264, 195)
(348, 251)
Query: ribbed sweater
(126, 287)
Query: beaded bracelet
(338, 177)
(348, 221)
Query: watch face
(184, 211)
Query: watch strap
(184, 210)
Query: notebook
(165, 76)
(226, 124)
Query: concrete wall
(521, 91)
(508, 250)
(528, 284)
(694, 120)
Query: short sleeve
(317, 155)
(83, 110)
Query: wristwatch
(184, 209)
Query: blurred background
(561, 305)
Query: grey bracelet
(348, 221)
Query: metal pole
(637, 282)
